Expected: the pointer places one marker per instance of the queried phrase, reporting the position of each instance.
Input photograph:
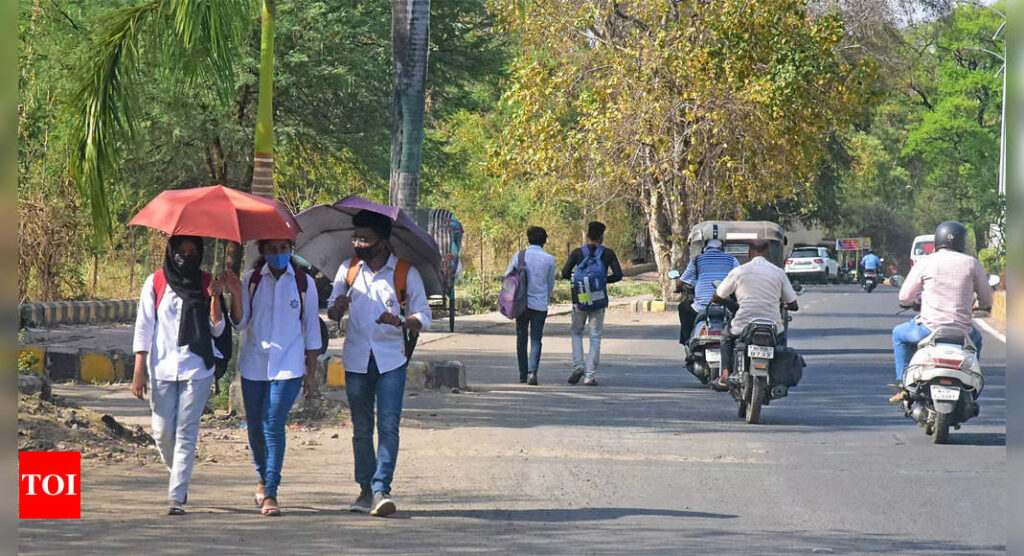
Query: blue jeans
(905, 338)
(529, 326)
(267, 403)
(375, 471)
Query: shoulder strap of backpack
(522, 259)
(159, 286)
(401, 280)
(302, 284)
(353, 271)
(585, 250)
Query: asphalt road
(649, 461)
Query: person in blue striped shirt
(713, 264)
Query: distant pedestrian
(588, 268)
(174, 331)
(387, 305)
(540, 282)
(276, 310)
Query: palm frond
(192, 40)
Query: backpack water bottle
(590, 281)
(512, 299)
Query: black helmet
(951, 235)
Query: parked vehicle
(812, 263)
(923, 245)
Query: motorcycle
(943, 381)
(870, 281)
(765, 367)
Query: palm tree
(410, 39)
(263, 155)
(197, 39)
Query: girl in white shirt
(174, 331)
(275, 308)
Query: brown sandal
(270, 511)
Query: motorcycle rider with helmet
(947, 282)
(702, 272)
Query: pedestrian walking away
(387, 306)
(174, 349)
(588, 268)
(275, 308)
(540, 271)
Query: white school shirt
(156, 332)
(760, 288)
(540, 276)
(272, 340)
(372, 294)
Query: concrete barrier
(999, 306)
(66, 364)
(76, 312)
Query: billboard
(853, 244)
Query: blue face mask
(278, 262)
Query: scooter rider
(870, 262)
(760, 288)
(947, 281)
(704, 269)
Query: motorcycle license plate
(945, 394)
(713, 356)
(761, 352)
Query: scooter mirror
(674, 275)
(993, 280)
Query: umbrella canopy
(218, 212)
(326, 239)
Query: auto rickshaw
(737, 236)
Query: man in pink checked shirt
(947, 281)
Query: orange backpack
(401, 279)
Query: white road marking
(988, 328)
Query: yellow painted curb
(999, 306)
(40, 353)
(97, 368)
(657, 306)
(335, 372)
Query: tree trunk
(410, 40)
(660, 242)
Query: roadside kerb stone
(447, 374)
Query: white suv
(812, 263)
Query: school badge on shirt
(295, 304)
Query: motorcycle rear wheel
(756, 396)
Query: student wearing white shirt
(279, 339)
(174, 331)
(540, 282)
(375, 355)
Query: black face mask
(186, 263)
(368, 253)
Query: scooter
(870, 281)
(943, 381)
(704, 344)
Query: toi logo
(50, 485)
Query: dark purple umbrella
(326, 239)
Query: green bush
(991, 260)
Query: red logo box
(50, 485)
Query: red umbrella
(218, 212)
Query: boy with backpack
(534, 272)
(590, 298)
(387, 306)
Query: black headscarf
(186, 280)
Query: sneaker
(382, 504)
(175, 508)
(364, 503)
(531, 379)
(576, 376)
(590, 382)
